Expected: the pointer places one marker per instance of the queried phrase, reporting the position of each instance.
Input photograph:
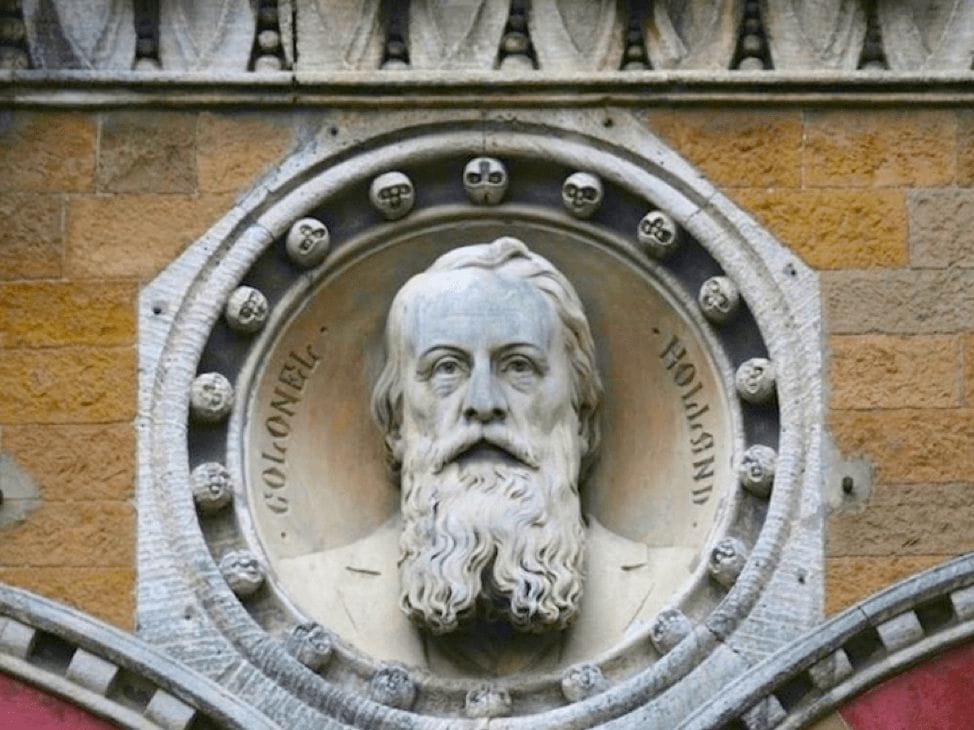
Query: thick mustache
(466, 440)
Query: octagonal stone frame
(186, 607)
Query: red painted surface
(935, 695)
(25, 707)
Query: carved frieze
(574, 36)
(90, 35)
(336, 36)
(937, 35)
(826, 34)
(693, 34)
(452, 34)
(213, 36)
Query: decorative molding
(448, 90)
(110, 673)
(548, 37)
(876, 639)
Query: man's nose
(484, 401)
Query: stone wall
(95, 204)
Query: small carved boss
(582, 194)
(485, 180)
(392, 194)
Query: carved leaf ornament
(577, 36)
(462, 34)
(938, 34)
(693, 34)
(810, 35)
(216, 35)
(89, 35)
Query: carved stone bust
(489, 401)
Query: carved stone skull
(392, 195)
(485, 180)
(307, 242)
(582, 194)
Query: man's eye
(446, 367)
(519, 366)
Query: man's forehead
(476, 307)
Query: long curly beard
(495, 539)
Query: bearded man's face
(490, 454)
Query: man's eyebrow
(441, 346)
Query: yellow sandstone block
(75, 462)
(851, 579)
(910, 446)
(235, 149)
(67, 385)
(147, 152)
(879, 148)
(135, 236)
(969, 371)
(106, 593)
(736, 148)
(965, 148)
(31, 237)
(834, 229)
(45, 314)
(72, 534)
(886, 371)
(48, 152)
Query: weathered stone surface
(573, 36)
(692, 35)
(834, 229)
(31, 237)
(212, 36)
(67, 385)
(851, 579)
(882, 371)
(899, 302)
(969, 371)
(816, 35)
(879, 148)
(147, 152)
(135, 235)
(910, 446)
(965, 147)
(736, 148)
(106, 593)
(353, 29)
(62, 34)
(907, 519)
(72, 534)
(941, 227)
(46, 314)
(456, 35)
(47, 152)
(935, 35)
(234, 149)
(75, 462)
